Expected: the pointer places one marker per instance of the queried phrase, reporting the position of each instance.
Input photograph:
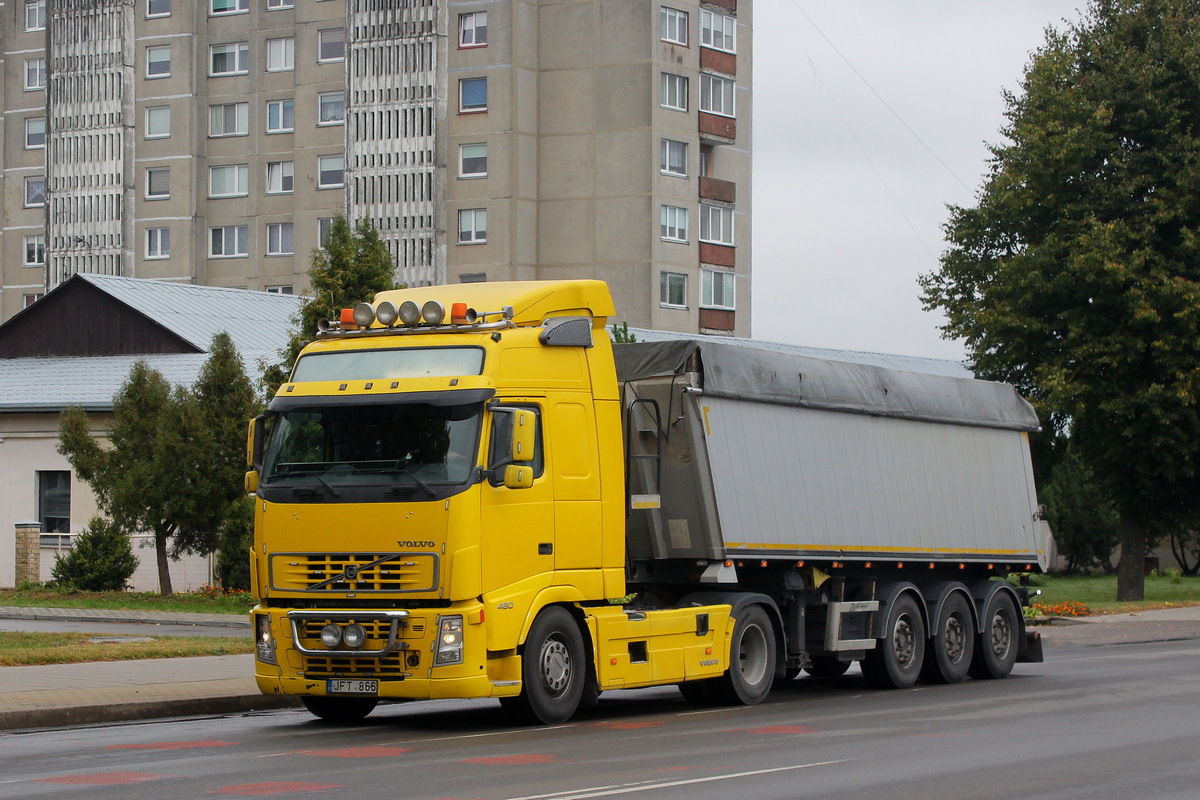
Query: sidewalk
(115, 691)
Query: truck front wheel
(552, 671)
(896, 661)
(996, 647)
(340, 710)
(751, 660)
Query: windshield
(373, 445)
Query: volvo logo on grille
(351, 573)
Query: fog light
(387, 313)
(450, 641)
(354, 636)
(433, 312)
(410, 312)
(331, 636)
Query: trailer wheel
(896, 661)
(952, 644)
(340, 710)
(751, 660)
(996, 647)
(552, 670)
(827, 667)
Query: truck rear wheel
(996, 647)
(952, 644)
(340, 710)
(751, 660)
(552, 670)
(896, 661)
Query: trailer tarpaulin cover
(747, 373)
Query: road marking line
(646, 786)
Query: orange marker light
(458, 313)
(762, 563)
(347, 320)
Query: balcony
(716, 319)
(717, 189)
(718, 61)
(720, 255)
(718, 127)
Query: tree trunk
(164, 568)
(1131, 576)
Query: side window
(500, 446)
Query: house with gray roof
(75, 347)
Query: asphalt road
(1092, 722)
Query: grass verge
(1099, 592)
(32, 649)
(208, 600)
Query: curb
(128, 712)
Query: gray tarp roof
(746, 372)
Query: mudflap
(1030, 651)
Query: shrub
(101, 559)
(233, 555)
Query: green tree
(174, 465)
(233, 554)
(1081, 515)
(353, 266)
(101, 559)
(1077, 275)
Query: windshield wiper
(428, 489)
(325, 483)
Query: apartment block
(212, 142)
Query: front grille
(391, 667)
(354, 572)
(377, 629)
(396, 665)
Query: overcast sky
(848, 204)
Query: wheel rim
(904, 642)
(752, 655)
(556, 665)
(956, 639)
(1001, 635)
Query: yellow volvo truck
(462, 491)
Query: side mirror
(254, 443)
(523, 436)
(252, 481)
(517, 476)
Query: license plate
(351, 687)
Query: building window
(674, 92)
(279, 239)
(158, 183)
(472, 226)
(35, 250)
(285, 289)
(324, 226)
(158, 61)
(673, 224)
(229, 241)
(673, 158)
(35, 15)
(716, 224)
(472, 161)
(229, 119)
(275, 5)
(158, 242)
(472, 29)
(707, 157)
(281, 54)
(158, 122)
(54, 501)
(673, 26)
(35, 133)
(472, 94)
(231, 180)
(331, 44)
(672, 289)
(158, 8)
(717, 31)
(30, 299)
(35, 74)
(35, 191)
(331, 172)
(228, 59)
(230, 6)
(281, 177)
(281, 116)
(716, 95)
(716, 289)
(332, 108)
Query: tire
(827, 667)
(896, 661)
(952, 644)
(751, 660)
(996, 645)
(340, 710)
(553, 670)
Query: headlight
(331, 636)
(354, 636)
(450, 641)
(264, 642)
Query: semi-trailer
(469, 491)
